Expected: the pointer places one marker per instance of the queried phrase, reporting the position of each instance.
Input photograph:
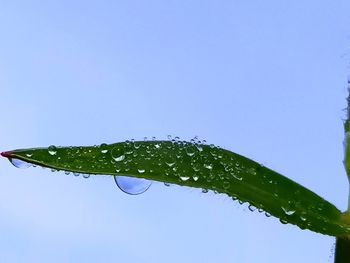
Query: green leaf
(201, 166)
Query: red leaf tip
(6, 154)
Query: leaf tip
(6, 154)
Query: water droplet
(226, 185)
(141, 171)
(283, 221)
(76, 174)
(196, 165)
(137, 145)
(191, 150)
(208, 166)
(132, 185)
(252, 171)
(86, 176)
(66, 172)
(237, 176)
(117, 154)
(251, 208)
(303, 218)
(184, 178)
(52, 150)
(288, 211)
(267, 214)
(128, 148)
(199, 146)
(167, 184)
(204, 191)
(19, 163)
(29, 155)
(157, 146)
(170, 160)
(104, 148)
(169, 137)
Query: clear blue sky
(266, 79)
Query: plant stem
(342, 247)
(342, 250)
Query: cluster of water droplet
(191, 163)
(180, 161)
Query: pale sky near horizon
(264, 79)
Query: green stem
(342, 247)
(342, 250)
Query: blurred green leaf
(201, 166)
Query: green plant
(209, 167)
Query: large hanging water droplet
(132, 185)
(19, 163)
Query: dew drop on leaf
(52, 150)
(118, 154)
(132, 185)
(267, 214)
(103, 148)
(191, 150)
(288, 211)
(226, 185)
(184, 178)
(19, 163)
(251, 208)
(208, 166)
(237, 176)
(283, 221)
(170, 160)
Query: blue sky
(265, 79)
